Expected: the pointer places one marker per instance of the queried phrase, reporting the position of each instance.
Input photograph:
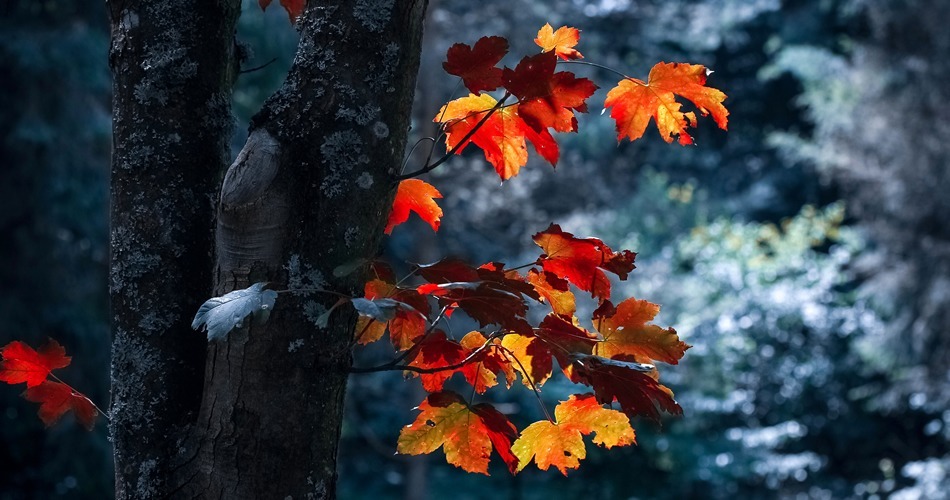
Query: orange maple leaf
(502, 137)
(56, 399)
(635, 102)
(530, 357)
(294, 8)
(555, 291)
(561, 444)
(409, 323)
(627, 334)
(415, 195)
(22, 364)
(467, 434)
(562, 41)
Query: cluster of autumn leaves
(614, 358)
(22, 364)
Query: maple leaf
(467, 434)
(530, 357)
(22, 364)
(565, 338)
(582, 261)
(555, 291)
(294, 8)
(626, 333)
(56, 399)
(438, 351)
(486, 302)
(628, 383)
(482, 371)
(547, 99)
(414, 195)
(502, 137)
(487, 294)
(409, 320)
(635, 102)
(561, 444)
(477, 65)
(562, 41)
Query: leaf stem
(71, 388)
(526, 376)
(397, 367)
(601, 66)
(430, 167)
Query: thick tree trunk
(310, 191)
(172, 64)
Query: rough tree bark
(310, 190)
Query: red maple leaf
(565, 339)
(56, 399)
(547, 99)
(477, 65)
(22, 364)
(582, 261)
(628, 383)
(635, 102)
(415, 195)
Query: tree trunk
(310, 191)
(173, 64)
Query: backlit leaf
(562, 41)
(467, 434)
(22, 364)
(628, 383)
(502, 137)
(582, 261)
(627, 334)
(561, 444)
(414, 195)
(635, 102)
(547, 99)
(56, 399)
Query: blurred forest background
(804, 253)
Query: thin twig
(397, 367)
(430, 167)
(393, 364)
(74, 391)
(606, 68)
(527, 376)
(262, 66)
(314, 290)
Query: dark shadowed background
(804, 253)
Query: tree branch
(430, 167)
